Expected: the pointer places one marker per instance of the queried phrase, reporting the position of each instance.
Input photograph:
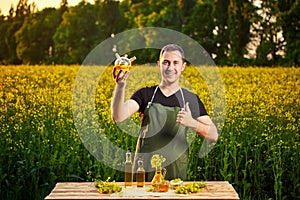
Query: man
(168, 111)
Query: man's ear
(183, 66)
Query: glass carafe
(159, 178)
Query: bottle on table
(128, 175)
(140, 174)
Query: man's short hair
(172, 47)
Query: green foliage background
(257, 152)
(233, 32)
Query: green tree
(4, 24)
(221, 31)
(155, 13)
(269, 32)
(77, 33)
(239, 22)
(23, 9)
(15, 21)
(200, 25)
(111, 18)
(290, 21)
(35, 46)
(188, 6)
(64, 5)
(158, 13)
(11, 42)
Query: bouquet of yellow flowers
(157, 160)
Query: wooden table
(87, 190)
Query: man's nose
(171, 66)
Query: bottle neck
(158, 168)
(140, 166)
(128, 157)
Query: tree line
(233, 32)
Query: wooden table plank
(221, 190)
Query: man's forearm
(118, 104)
(204, 129)
(208, 131)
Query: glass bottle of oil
(128, 175)
(140, 174)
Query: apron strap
(183, 100)
(151, 101)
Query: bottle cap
(140, 162)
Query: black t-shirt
(144, 95)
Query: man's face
(171, 65)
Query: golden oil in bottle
(140, 174)
(128, 175)
(122, 63)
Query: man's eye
(166, 62)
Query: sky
(41, 4)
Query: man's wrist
(120, 86)
(194, 125)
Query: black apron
(160, 134)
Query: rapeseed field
(257, 151)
